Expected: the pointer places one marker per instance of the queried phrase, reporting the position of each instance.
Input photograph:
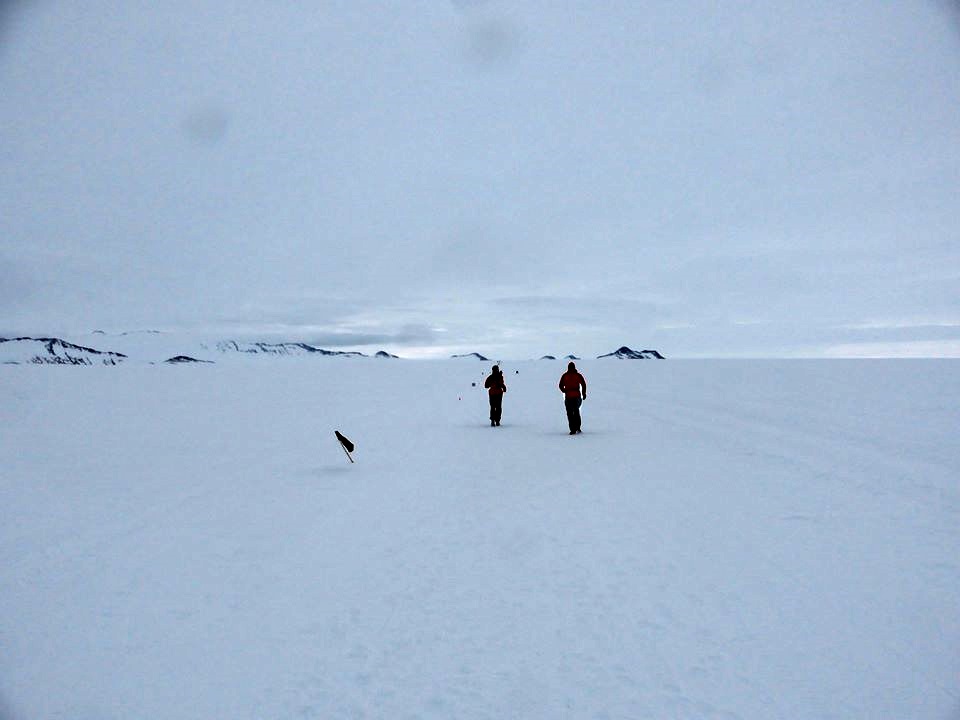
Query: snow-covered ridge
(53, 351)
(283, 348)
(625, 353)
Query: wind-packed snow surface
(724, 540)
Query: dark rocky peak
(185, 359)
(473, 355)
(625, 353)
(385, 354)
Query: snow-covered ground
(726, 539)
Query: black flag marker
(345, 443)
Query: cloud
(6, 711)
(589, 310)
(17, 288)
(8, 16)
(911, 324)
(951, 9)
(206, 123)
(527, 175)
(493, 42)
(906, 349)
(407, 335)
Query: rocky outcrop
(625, 353)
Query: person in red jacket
(497, 387)
(571, 383)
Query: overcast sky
(519, 178)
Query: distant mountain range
(55, 351)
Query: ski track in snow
(725, 540)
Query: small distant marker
(345, 444)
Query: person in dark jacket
(496, 387)
(571, 382)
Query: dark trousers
(573, 412)
(496, 406)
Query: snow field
(727, 539)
